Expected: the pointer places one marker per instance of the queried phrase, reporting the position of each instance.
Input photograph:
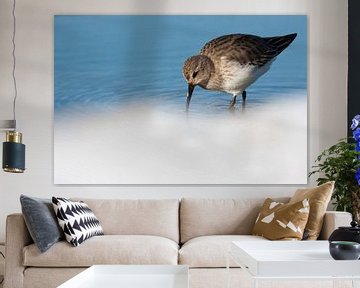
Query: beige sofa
(194, 232)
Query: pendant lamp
(13, 159)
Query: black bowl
(344, 250)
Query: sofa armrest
(333, 220)
(17, 237)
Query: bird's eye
(194, 74)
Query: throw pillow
(279, 221)
(77, 220)
(41, 222)
(319, 198)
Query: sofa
(194, 232)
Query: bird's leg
(244, 99)
(232, 103)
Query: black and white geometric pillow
(77, 220)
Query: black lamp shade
(13, 157)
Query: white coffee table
(297, 260)
(131, 276)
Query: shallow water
(105, 62)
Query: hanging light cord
(2, 280)
(14, 61)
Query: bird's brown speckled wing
(246, 49)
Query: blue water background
(109, 61)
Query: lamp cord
(14, 61)
(2, 280)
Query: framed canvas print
(180, 99)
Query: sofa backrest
(200, 217)
(159, 217)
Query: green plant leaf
(339, 163)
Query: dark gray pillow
(41, 221)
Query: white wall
(327, 88)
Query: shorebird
(231, 63)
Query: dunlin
(231, 63)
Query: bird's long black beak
(188, 97)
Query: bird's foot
(231, 108)
(243, 106)
(232, 103)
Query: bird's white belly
(236, 77)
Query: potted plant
(341, 163)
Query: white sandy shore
(137, 145)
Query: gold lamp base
(13, 170)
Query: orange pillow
(279, 221)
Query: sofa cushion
(211, 251)
(200, 217)
(158, 217)
(35, 277)
(107, 249)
